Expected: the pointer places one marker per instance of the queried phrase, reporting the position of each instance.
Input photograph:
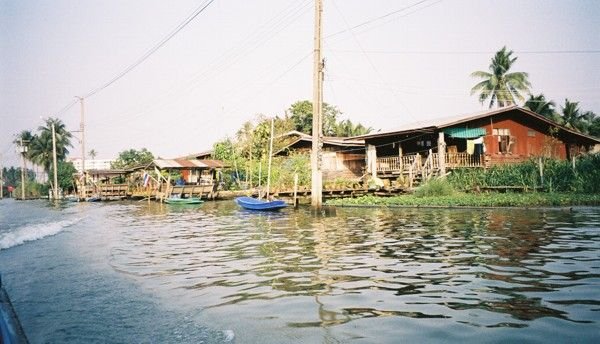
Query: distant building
(92, 164)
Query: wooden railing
(396, 164)
(457, 160)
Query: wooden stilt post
(295, 190)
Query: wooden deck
(415, 168)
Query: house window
(505, 142)
(531, 133)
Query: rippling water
(215, 273)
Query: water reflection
(472, 267)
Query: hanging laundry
(470, 146)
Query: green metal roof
(464, 133)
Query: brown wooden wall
(529, 139)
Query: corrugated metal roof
(440, 123)
(186, 163)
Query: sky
(388, 63)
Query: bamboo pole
(270, 159)
(295, 190)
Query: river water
(138, 272)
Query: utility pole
(82, 129)
(55, 188)
(317, 120)
(1, 179)
(23, 150)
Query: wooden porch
(418, 167)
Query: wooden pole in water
(259, 178)
(295, 190)
(541, 164)
(270, 159)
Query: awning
(464, 133)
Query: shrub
(435, 187)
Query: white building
(92, 164)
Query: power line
(149, 53)
(450, 52)
(378, 18)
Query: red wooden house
(506, 135)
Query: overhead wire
(482, 52)
(152, 50)
(250, 43)
(377, 18)
(375, 69)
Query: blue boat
(259, 204)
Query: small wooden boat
(179, 200)
(71, 198)
(259, 204)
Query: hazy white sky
(241, 58)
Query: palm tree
(93, 154)
(40, 149)
(23, 139)
(572, 116)
(500, 86)
(540, 105)
(346, 128)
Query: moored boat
(259, 204)
(179, 200)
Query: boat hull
(191, 200)
(258, 204)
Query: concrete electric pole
(23, 150)
(55, 188)
(317, 120)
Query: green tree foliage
(346, 128)
(498, 85)
(301, 114)
(247, 154)
(132, 158)
(540, 105)
(41, 149)
(24, 138)
(593, 124)
(65, 172)
(92, 153)
(572, 116)
(224, 150)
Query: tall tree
(301, 115)
(572, 116)
(92, 153)
(41, 150)
(498, 85)
(346, 128)
(540, 105)
(594, 124)
(132, 157)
